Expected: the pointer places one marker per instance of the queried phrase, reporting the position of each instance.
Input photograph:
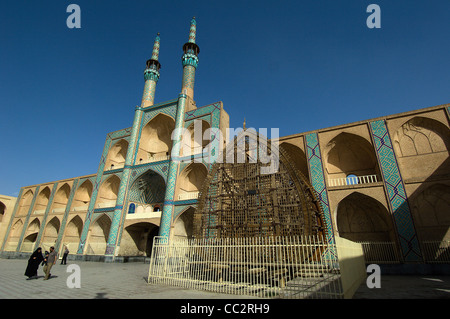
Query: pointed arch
(190, 181)
(117, 155)
(72, 233)
(148, 188)
(193, 141)
(156, 138)
(349, 153)
(184, 223)
(98, 235)
(362, 218)
(431, 213)
(31, 235)
(83, 196)
(61, 198)
(51, 231)
(42, 200)
(137, 239)
(14, 235)
(108, 191)
(421, 135)
(25, 203)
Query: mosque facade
(383, 180)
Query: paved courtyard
(128, 281)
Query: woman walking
(33, 263)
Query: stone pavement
(128, 281)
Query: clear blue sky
(295, 65)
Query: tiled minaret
(151, 76)
(190, 62)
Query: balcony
(352, 180)
(188, 195)
(153, 159)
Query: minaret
(185, 100)
(151, 75)
(190, 61)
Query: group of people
(48, 260)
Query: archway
(82, 196)
(14, 236)
(192, 139)
(191, 180)
(147, 191)
(72, 233)
(42, 200)
(137, 239)
(117, 155)
(61, 198)
(25, 203)
(350, 154)
(431, 212)
(184, 224)
(107, 194)
(362, 218)
(422, 147)
(156, 139)
(50, 233)
(98, 236)
(31, 235)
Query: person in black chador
(33, 263)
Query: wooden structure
(240, 199)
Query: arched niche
(14, 235)
(82, 196)
(190, 181)
(25, 203)
(193, 140)
(42, 200)
(61, 198)
(51, 233)
(107, 194)
(149, 188)
(183, 224)
(31, 235)
(350, 154)
(156, 139)
(72, 233)
(117, 155)
(422, 147)
(431, 213)
(137, 239)
(98, 235)
(421, 135)
(363, 218)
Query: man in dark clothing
(51, 260)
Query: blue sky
(293, 65)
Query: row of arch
(357, 217)
(156, 141)
(350, 154)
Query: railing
(115, 166)
(104, 204)
(380, 252)
(188, 195)
(352, 180)
(436, 251)
(268, 267)
(154, 159)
